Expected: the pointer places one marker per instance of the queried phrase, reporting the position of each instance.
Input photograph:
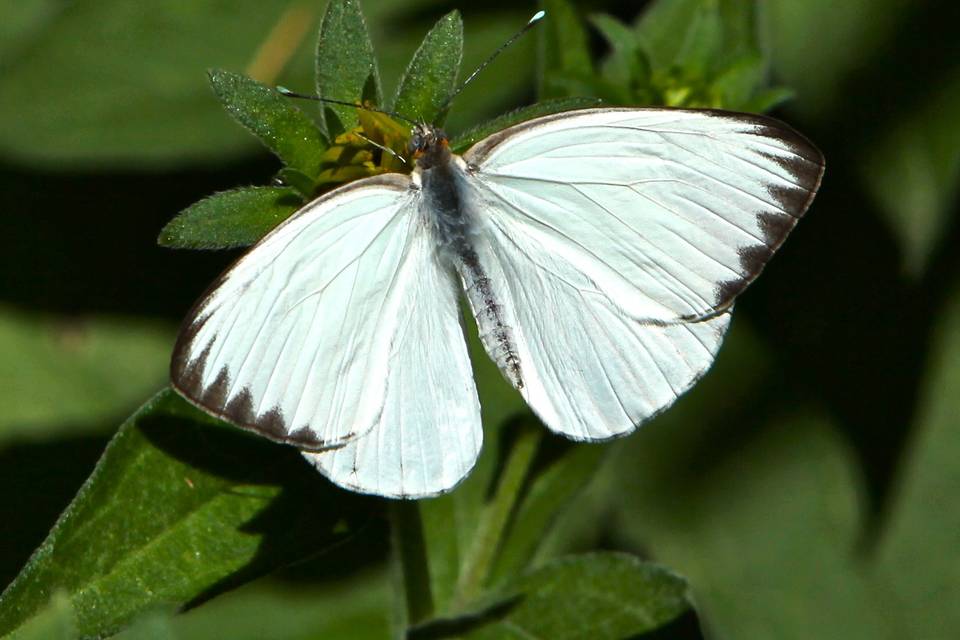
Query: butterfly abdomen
(456, 233)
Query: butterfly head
(428, 145)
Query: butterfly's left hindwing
(616, 240)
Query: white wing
(429, 435)
(317, 337)
(615, 241)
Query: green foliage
(745, 487)
(179, 508)
(279, 125)
(346, 68)
(96, 368)
(606, 596)
(235, 218)
(913, 171)
(354, 609)
(680, 53)
(544, 108)
(432, 75)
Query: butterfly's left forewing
(340, 332)
(615, 241)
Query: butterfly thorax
(429, 146)
(446, 209)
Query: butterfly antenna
(303, 96)
(383, 148)
(537, 17)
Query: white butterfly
(600, 251)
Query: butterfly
(600, 251)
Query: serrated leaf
(563, 45)
(180, 507)
(229, 219)
(282, 127)
(346, 67)
(97, 368)
(431, 76)
(603, 595)
(547, 107)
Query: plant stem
(482, 552)
(410, 568)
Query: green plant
(182, 508)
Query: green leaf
(354, 608)
(623, 65)
(97, 368)
(431, 77)
(596, 595)
(346, 67)
(179, 508)
(697, 35)
(766, 531)
(229, 219)
(283, 128)
(548, 107)
(917, 554)
(913, 172)
(551, 491)
(563, 45)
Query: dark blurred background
(811, 432)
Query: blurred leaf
(135, 89)
(346, 68)
(697, 34)
(848, 34)
(21, 21)
(765, 532)
(59, 375)
(282, 127)
(53, 622)
(228, 219)
(596, 595)
(180, 507)
(550, 492)
(547, 107)
(563, 43)
(137, 95)
(917, 554)
(431, 77)
(913, 172)
(625, 64)
(354, 608)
